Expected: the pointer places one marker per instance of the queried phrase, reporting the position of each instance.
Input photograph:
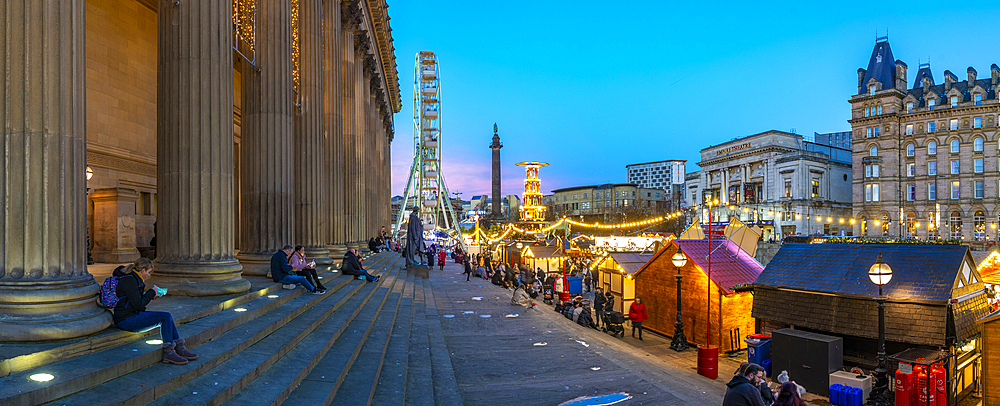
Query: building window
(871, 89)
(930, 127)
(956, 225)
(978, 189)
(574, 196)
(954, 101)
(880, 109)
(910, 150)
(979, 226)
(909, 107)
(931, 103)
(932, 168)
(932, 228)
(885, 225)
(867, 111)
(978, 98)
(977, 144)
(584, 195)
(932, 191)
(871, 171)
(788, 188)
(875, 131)
(911, 192)
(977, 122)
(873, 151)
(954, 190)
(955, 167)
(954, 146)
(909, 129)
(864, 226)
(953, 124)
(978, 165)
(871, 192)
(911, 170)
(911, 224)
(815, 188)
(932, 148)
(869, 133)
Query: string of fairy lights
(511, 228)
(771, 212)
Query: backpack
(109, 291)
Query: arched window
(864, 226)
(867, 111)
(885, 225)
(879, 109)
(911, 224)
(956, 225)
(954, 146)
(910, 150)
(932, 148)
(977, 144)
(932, 227)
(979, 226)
(873, 151)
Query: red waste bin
(903, 388)
(708, 361)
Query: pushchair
(547, 296)
(613, 323)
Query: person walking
(743, 389)
(442, 256)
(587, 278)
(599, 302)
(468, 271)
(637, 313)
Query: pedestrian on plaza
(609, 305)
(280, 271)
(765, 390)
(352, 266)
(788, 395)
(130, 313)
(637, 313)
(442, 256)
(468, 271)
(430, 257)
(743, 389)
(587, 279)
(540, 274)
(307, 269)
(599, 302)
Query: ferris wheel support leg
(397, 228)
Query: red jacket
(441, 257)
(637, 312)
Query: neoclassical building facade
(925, 157)
(224, 130)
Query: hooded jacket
(742, 392)
(132, 291)
(279, 266)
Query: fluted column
(194, 150)
(360, 101)
(333, 106)
(45, 290)
(266, 211)
(349, 194)
(310, 169)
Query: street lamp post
(90, 256)
(880, 274)
(679, 342)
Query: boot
(633, 333)
(170, 356)
(183, 352)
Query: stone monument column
(351, 16)
(45, 290)
(266, 210)
(194, 150)
(310, 168)
(114, 225)
(333, 106)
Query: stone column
(194, 150)
(360, 101)
(349, 194)
(333, 106)
(45, 290)
(266, 210)
(310, 168)
(114, 225)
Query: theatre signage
(734, 148)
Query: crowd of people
(749, 387)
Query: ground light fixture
(41, 377)
(154, 342)
(240, 309)
(272, 296)
(880, 274)
(679, 341)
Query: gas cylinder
(902, 388)
(939, 378)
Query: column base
(321, 255)
(51, 310)
(117, 255)
(201, 278)
(256, 264)
(337, 252)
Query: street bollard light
(880, 274)
(679, 342)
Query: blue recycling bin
(575, 285)
(757, 353)
(767, 367)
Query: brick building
(925, 157)
(608, 202)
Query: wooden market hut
(548, 257)
(935, 298)
(729, 312)
(615, 272)
(991, 359)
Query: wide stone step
(318, 385)
(445, 385)
(391, 386)
(82, 373)
(419, 383)
(362, 376)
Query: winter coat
(279, 266)
(351, 265)
(134, 297)
(468, 267)
(637, 312)
(585, 318)
(441, 257)
(742, 393)
(520, 298)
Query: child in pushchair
(613, 323)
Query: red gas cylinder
(925, 396)
(939, 378)
(903, 388)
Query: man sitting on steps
(280, 269)
(352, 266)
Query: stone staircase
(358, 344)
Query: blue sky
(590, 87)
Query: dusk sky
(590, 87)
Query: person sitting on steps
(307, 269)
(130, 312)
(352, 266)
(280, 271)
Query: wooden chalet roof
(631, 262)
(731, 266)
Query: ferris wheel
(426, 190)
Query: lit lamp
(880, 273)
(679, 342)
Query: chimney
(995, 74)
(861, 80)
(927, 84)
(972, 76)
(901, 76)
(949, 78)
